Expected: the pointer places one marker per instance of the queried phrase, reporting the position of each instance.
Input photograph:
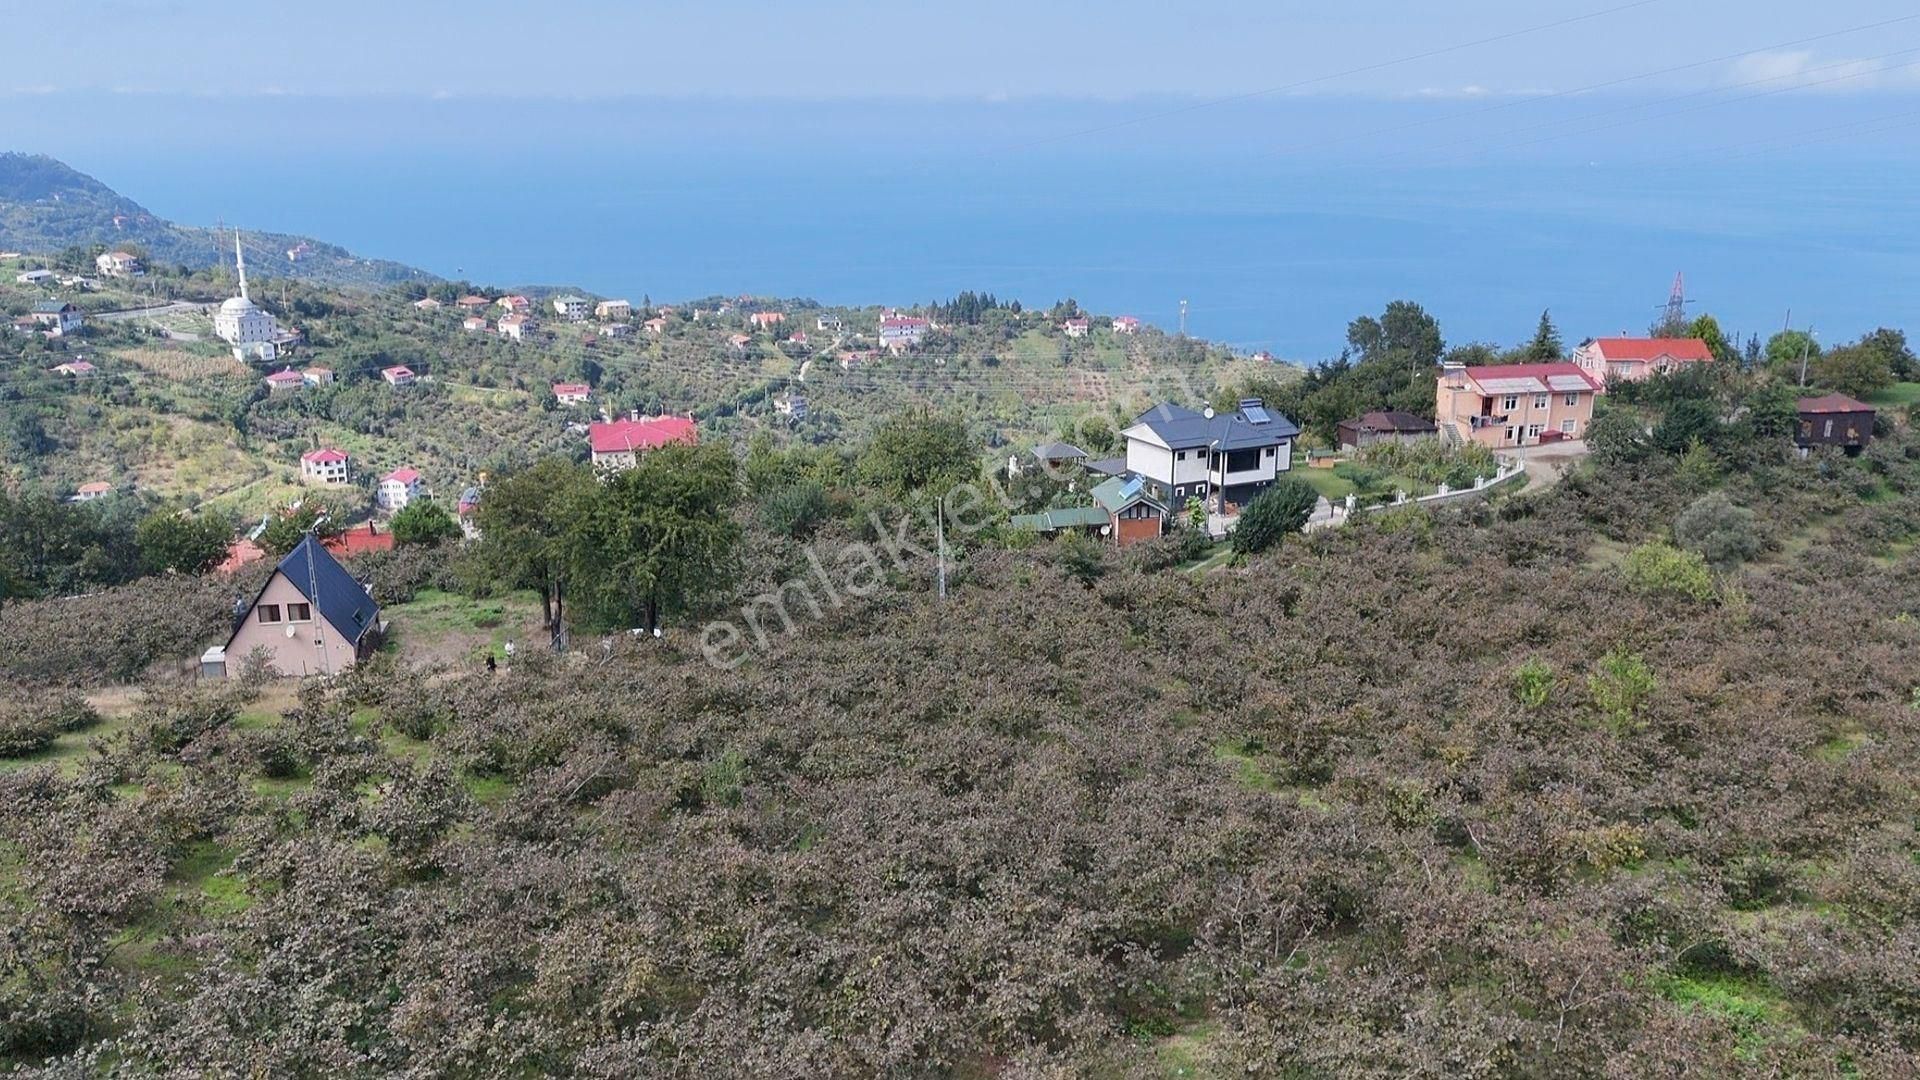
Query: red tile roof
(1833, 403)
(1683, 349)
(621, 436)
(240, 553)
(324, 454)
(570, 388)
(398, 371)
(284, 376)
(403, 475)
(358, 540)
(96, 487)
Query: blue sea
(1275, 244)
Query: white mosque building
(243, 324)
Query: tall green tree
(1281, 509)
(1786, 349)
(183, 543)
(525, 523)
(1857, 370)
(658, 538)
(1707, 329)
(1546, 340)
(917, 452)
(422, 522)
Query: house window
(269, 613)
(1566, 427)
(1533, 431)
(1269, 451)
(299, 613)
(1181, 456)
(1509, 403)
(1572, 400)
(1540, 401)
(1828, 432)
(1179, 493)
(1509, 434)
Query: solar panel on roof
(1256, 413)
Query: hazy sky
(981, 49)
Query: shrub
(1621, 685)
(795, 510)
(1533, 684)
(30, 721)
(1281, 509)
(1721, 532)
(1666, 570)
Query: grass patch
(1180, 1054)
(1246, 768)
(1840, 746)
(1900, 393)
(487, 789)
(1749, 1006)
(1217, 558)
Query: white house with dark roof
(57, 317)
(1185, 454)
(572, 308)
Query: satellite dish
(1207, 412)
(290, 632)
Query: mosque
(243, 324)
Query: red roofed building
(97, 489)
(472, 303)
(398, 375)
(1126, 324)
(768, 319)
(326, 465)
(358, 540)
(397, 489)
(618, 445)
(1503, 405)
(519, 305)
(572, 393)
(284, 380)
(1637, 359)
(242, 552)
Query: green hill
(47, 206)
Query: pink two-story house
(1506, 405)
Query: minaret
(240, 260)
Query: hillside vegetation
(1524, 790)
(46, 206)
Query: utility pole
(1805, 348)
(1183, 318)
(940, 532)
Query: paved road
(178, 307)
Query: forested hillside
(47, 207)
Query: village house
(1056, 456)
(473, 323)
(97, 489)
(1228, 457)
(397, 489)
(572, 393)
(619, 444)
(516, 325)
(427, 304)
(655, 326)
(515, 304)
(310, 618)
(119, 264)
(798, 338)
(299, 251)
(901, 332)
(1834, 420)
(829, 324)
(359, 540)
(1379, 427)
(616, 330)
(57, 317)
(77, 369)
(283, 381)
(25, 325)
(852, 358)
(1126, 324)
(767, 320)
(571, 308)
(613, 311)
(398, 375)
(326, 465)
(793, 406)
(472, 303)
(317, 376)
(1076, 328)
(1626, 359)
(737, 344)
(32, 277)
(1514, 404)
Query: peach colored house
(1505, 405)
(311, 618)
(1637, 359)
